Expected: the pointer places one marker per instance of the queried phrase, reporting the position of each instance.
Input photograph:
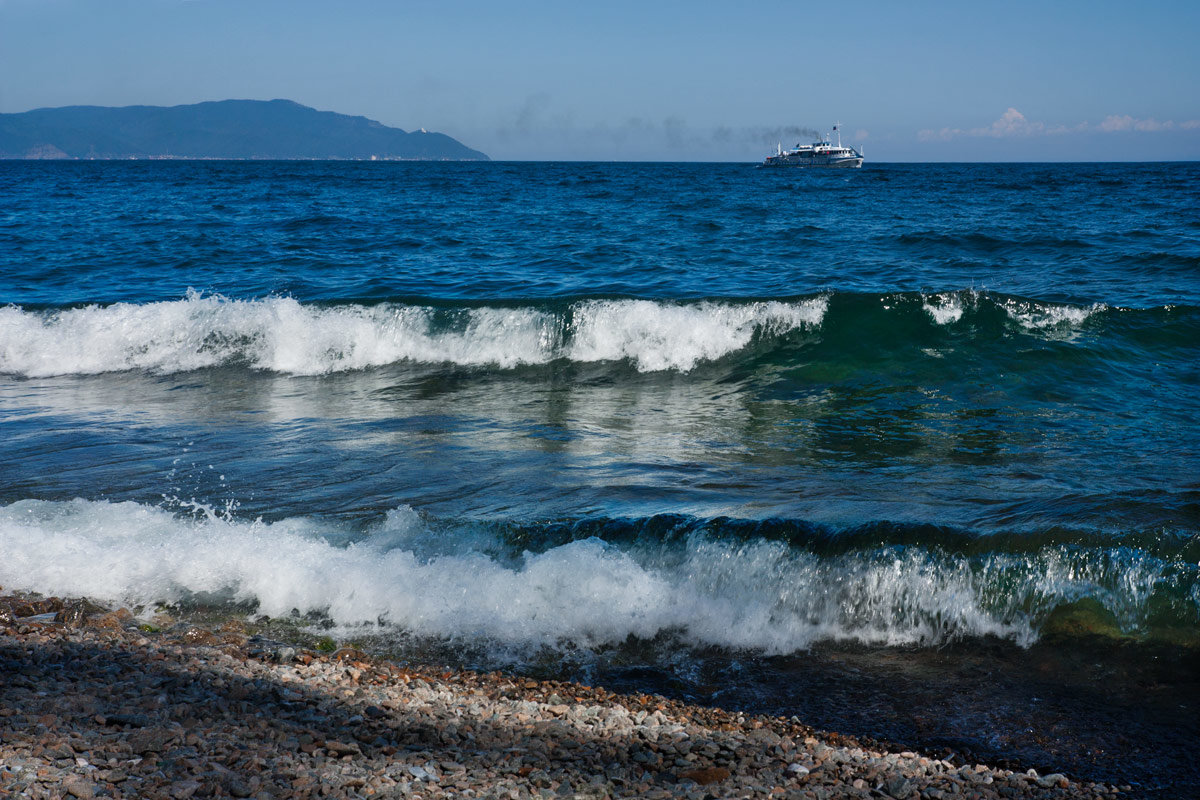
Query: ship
(818, 154)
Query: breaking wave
(474, 581)
(282, 335)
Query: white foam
(946, 309)
(282, 335)
(762, 595)
(657, 336)
(1044, 317)
(277, 334)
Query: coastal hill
(251, 129)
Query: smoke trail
(786, 133)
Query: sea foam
(946, 308)
(458, 583)
(657, 337)
(1034, 316)
(282, 335)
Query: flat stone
(184, 789)
(238, 787)
(343, 748)
(706, 775)
(128, 720)
(79, 787)
(149, 740)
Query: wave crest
(658, 337)
(464, 581)
(283, 335)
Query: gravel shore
(95, 703)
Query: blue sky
(910, 81)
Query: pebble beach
(95, 702)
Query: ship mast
(837, 128)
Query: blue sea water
(674, 426)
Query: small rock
(79, 787)
(184, 789)
(199, 636)
(73, 615)
(343, 748)
(237, 787)
(1052, 780)
(348, 654)
(148, 740)
(128, 720)
(705, 775)
(111, 621)
(899, 788)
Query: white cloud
(930, 135)
(1116, 123)
(1113, 123)
(1153, 125)
(1012, 123)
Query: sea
(910, 452)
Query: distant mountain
(267, 129)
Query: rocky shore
(97, 703)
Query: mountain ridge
(217, 129)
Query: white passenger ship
(817, 154)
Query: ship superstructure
(818, 154)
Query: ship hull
(840, 163)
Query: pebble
(1052, 780)
(79, 787)
(98, 707)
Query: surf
(285, 336)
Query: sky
(1050, 80)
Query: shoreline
(93, 705)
